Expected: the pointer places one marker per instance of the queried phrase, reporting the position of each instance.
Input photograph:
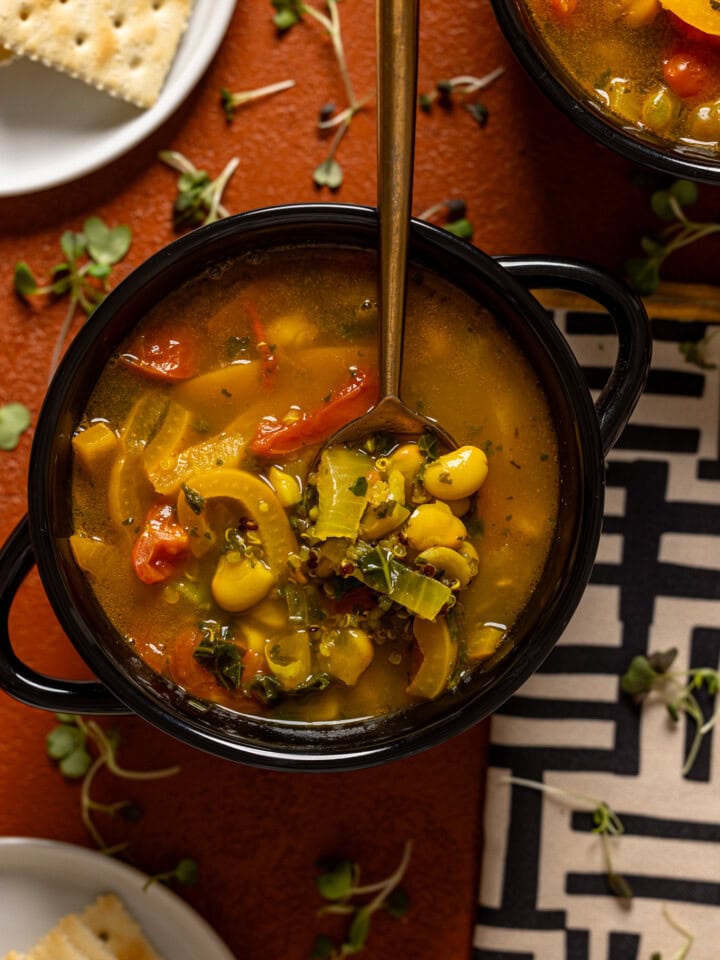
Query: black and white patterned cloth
(655, 585)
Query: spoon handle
(397, 53)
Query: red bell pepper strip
(345, 404)
(161, 544)
(264, 347)
(164, 355)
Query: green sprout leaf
(336, 880)
(358, 932)
(199, 198)
(75, 764)
(639, 678)
(287, 13)
(24, 280)
(328, 174)
(83, 274)
(14, 421)
(397, 903)
(461, 228)
(323, 948)
(186, 873)
(63, 740)
(695, 352)
(106, 245)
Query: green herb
(676, 689)
(231, 101)
(195, 501)
(82, 748)
(338, 883)
(695, 351)
(360, 487)
(606, 823)
(219, 654)
(265, 688)
(288, 13)
(453, 217)
(667, 205)
(14, 421)
(89, 257)
(428, 446)
(445, 92)
(185, 873)
(199, 198)
(685, 948)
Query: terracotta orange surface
(533, 183)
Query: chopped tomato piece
(344, 404)
(164, 355)
(688, 73)
(264, 347)
(161, 544)
(564, 7)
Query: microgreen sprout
(82, 749)
(288, 13)
(676, 690)
(696, 351)
(446, 92)
(338, 883)
(606, 824)
(452, 215)
(185, 873)
(667, 205)
(14, 421)
(682, 951)
(231, 101)
(89, 258)
(199, 199)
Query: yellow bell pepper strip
(224, 450)
(128, 487)
(439, 654)
(257, 502)
(342, 489)
(344, 404)
(92, 556)
(168, 441)
(700, 14)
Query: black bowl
(627, 139)
(585, 434)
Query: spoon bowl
(396, 54)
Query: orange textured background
(534, 184)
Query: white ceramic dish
(54, 128)
(43, 880)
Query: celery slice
(379, 570)
(342, 496)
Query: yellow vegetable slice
(483, 642)
(257, 502)
(168, 441)
(94, 446)
(224, 450)
(698, 13)
(128, 491)
(439, 652)
(143, 421)
(93, 556)
(217, 396)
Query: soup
(653, 64)
(255, 578)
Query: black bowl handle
(627, 379)
(19, 680)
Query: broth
(169, 452)
(640, 61)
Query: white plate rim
(107, 874)
(208, 23)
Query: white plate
(42, 881)
(54, 128)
